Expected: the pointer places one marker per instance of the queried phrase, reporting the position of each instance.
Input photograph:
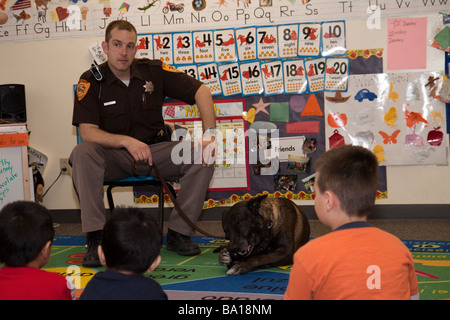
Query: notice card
(407, 44)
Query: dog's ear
(254, 203)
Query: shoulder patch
(167, 67)
(82, 89)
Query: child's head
(131, 241)
(351, 173)
(26, 229)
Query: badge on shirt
(82, 89)
(149, 87)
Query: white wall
(49, 68)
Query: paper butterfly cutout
(388, 139)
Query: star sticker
(261, 106)
(149, 87)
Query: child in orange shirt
(355, 260)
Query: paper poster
(267, 45)
(309, 39)
(272, 77)
(251, 78)
(144, 46)
(333, 38)
(183, 51)
(46, 20)
(231, 162)
(407, 43)
(396, 115)
(288, 146)
(315, 72)
(336, 74)
(268, 59)
(224, 45)
(230, 79)
(190, 70)
(162, 47)
(203, 46)
(288, 41)
(209, 75)
(246, 43)
(294, 74)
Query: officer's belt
(163, 135)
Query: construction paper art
(297, 103)
(442, 39)
(407, 43)
(312, 107)
(261, 106)
(279, 111)
(397, 115)
(303, 127)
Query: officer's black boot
(181, 244)
(91, 258)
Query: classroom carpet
(202, 277)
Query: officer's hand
(140, 152)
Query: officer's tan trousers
(92, 164)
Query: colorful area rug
(202, 277)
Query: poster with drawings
(396, 115)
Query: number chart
(270, 60)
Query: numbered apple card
(288, 41)
(162, 47)
(315, 72)
(209, 75)
(190, 70)
(272, 75)
(246, 43)
(145, 47)
(225, 45)
(336, 74)
(267, 46)
(309, 39)
(294, 75)
(183, 51)
(251, 78)
(230, 79)
(333, 38)
(203, 46)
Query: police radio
(95, 70)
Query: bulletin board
(293, 123)
(300, 80)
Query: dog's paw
(224, 257)
(238, 269)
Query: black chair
(134, 181)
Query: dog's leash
(177, 206)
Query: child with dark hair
(130, 246)
(26, 236)
(355, 260)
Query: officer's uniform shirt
(134, 110)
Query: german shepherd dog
(262, 232)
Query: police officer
(119, 114)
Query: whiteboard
(11, 175)
(14, 172)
